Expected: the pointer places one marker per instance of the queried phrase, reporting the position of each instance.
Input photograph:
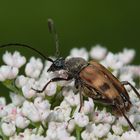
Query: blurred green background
(111, 23)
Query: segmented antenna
(55, 36)
(26, 46)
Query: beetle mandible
(91, 79)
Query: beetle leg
(130, 124)
(134, 89)
(81, 99)
(52, 80)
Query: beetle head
(58, 64)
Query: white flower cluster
(54, 113)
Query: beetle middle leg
(81, 99)
(134, 89)
(52, 80)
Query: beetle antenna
(55, 36)
(26, 46)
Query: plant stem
(78, 133)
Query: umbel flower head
(54, 113)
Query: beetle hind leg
(122, 112)
(134, 89)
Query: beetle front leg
(134, 89)
(52, 80)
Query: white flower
(28, 134)
(81, 120)
(127, 55)
(82, 52)
(60, 113)
(41, 104)
(27, 90)
(71, 98)
(10, 108)
(33, 67)
(88, 106)
(123, 121)
(17, 99)
(21, 81)
(134, 70)
(103, 116)
(113, 137)
(8, 72)
(60, 132)
(113, 61)
(14, 60)
(8, 129)
(51, 89)
(21, 122)
(30, 111)
(44, 114)
(101, 130)
(126, 77)
(98, 52)
(43, 107)
(71, 126)
(131, 135)
(117, 129)
(88, 136)
(88, 133)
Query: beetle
(91, 79)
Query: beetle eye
(58, 63)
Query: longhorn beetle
(91, 79)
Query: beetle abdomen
(103, 89)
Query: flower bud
(81, 120)
(8, 129)
(21, 122)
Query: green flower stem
(78, 133)
(10, 84)
(72, 112)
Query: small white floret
(101, 130)
(17, 99)
(14, 60)
(82, 52)
(81, 120)
(131, 135)
(8, 72)
(8, 129)
(33, 67)
(30, 111)
(21, 122)
(98, 52)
